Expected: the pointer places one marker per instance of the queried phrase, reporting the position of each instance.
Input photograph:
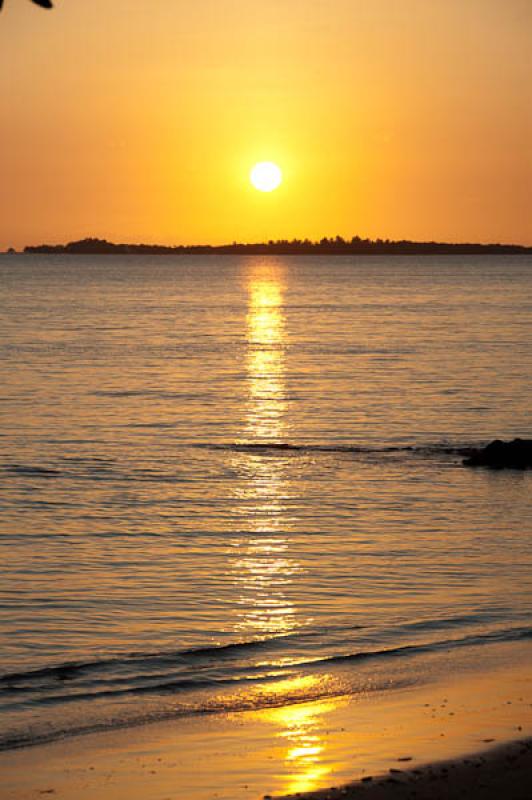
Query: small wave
(31, 470)
(232, 694)
(518, 634)
(423, 450)
(70, 670)
(102, 468)
(228, 704)
(130, 667)
(172, 686)
(158, 394)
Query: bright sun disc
(266, 176)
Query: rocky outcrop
(516, 454)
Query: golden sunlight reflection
(262, 573)
(265, 354)
(302, 731)
(264, 568)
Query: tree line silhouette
(325, 246)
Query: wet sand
(306, 747)
(505, 772)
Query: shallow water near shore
(292, 749)
(235, 484)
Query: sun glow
(266, 176)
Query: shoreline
(352, 742)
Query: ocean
(237, 482)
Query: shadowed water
(236, 482)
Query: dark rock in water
(503, 455)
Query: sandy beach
(473, 731)
(505, 771)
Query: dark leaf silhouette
(41, 3)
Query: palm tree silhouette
(41, 3)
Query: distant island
(325, 246)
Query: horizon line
(339, 244)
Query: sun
(266, 176)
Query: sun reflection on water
(263, 569)
(263, 572)
(301, 728)
(266, 339)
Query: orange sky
(139, 121)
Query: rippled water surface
(230, 482)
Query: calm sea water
(235, 482)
